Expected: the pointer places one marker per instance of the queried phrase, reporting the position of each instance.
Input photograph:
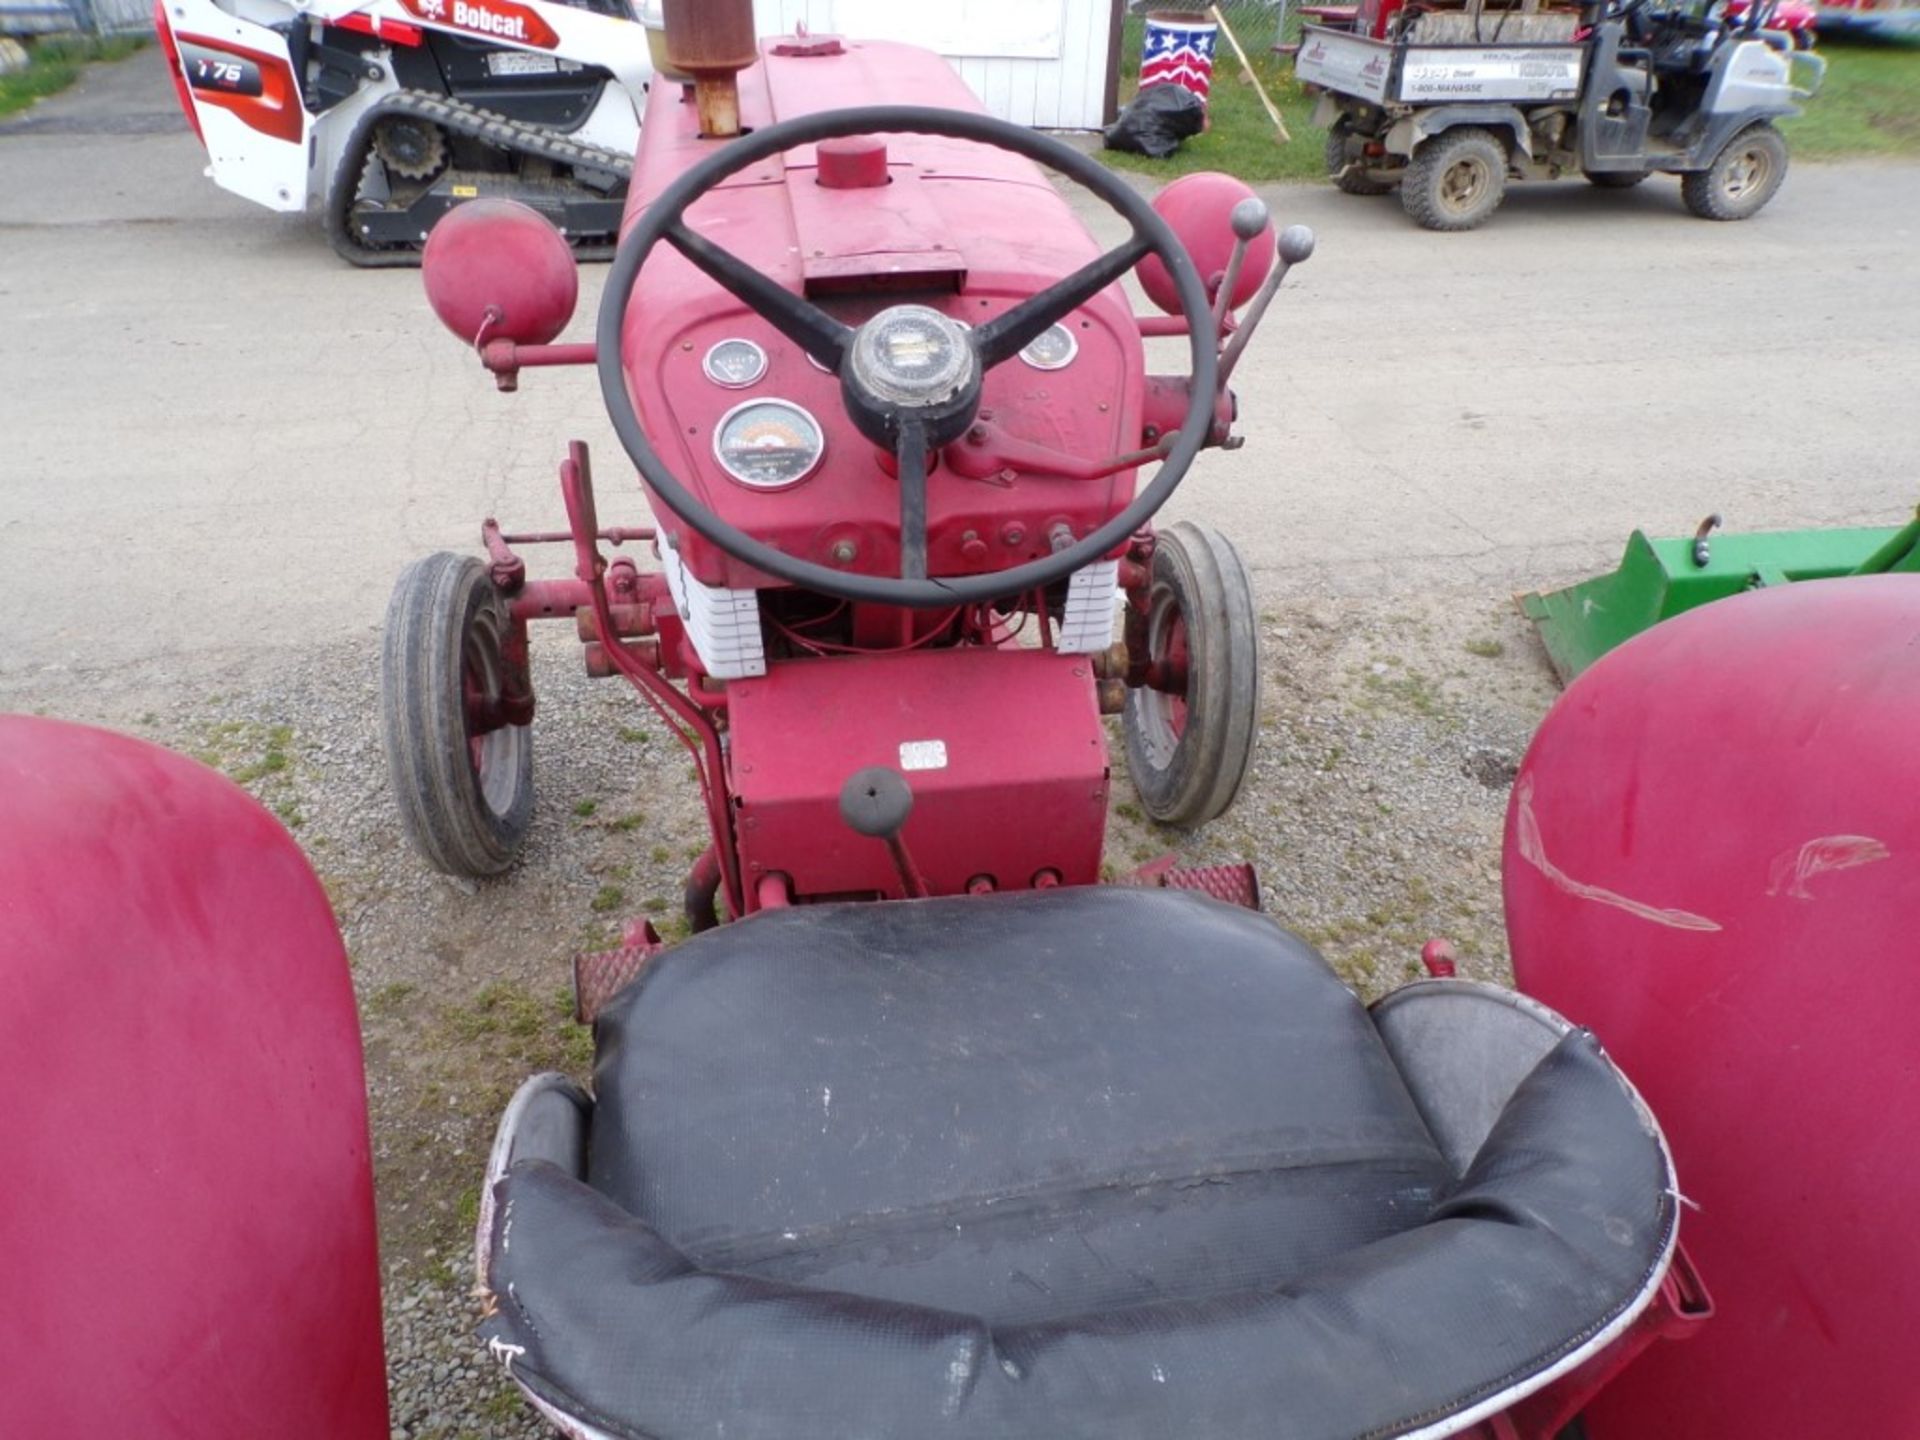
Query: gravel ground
(1392, 729)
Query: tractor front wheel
(1456, 180)
(1190, 728)
(461, 774)
(1743, 177)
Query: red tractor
(889, 405)
(939, 1136)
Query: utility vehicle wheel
(462, 777)
(1341, 150)
(1455, 180)
(1743, 176)
(1190, 729)
(1616, 179)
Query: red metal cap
(857, 162)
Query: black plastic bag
(1157, 120)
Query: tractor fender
(1713, 862)
(188, 1222)
(1407, 133)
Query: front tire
(461, 777)
(1190, 731)
(1743, 177)
(1456, 180)
(1346, 175)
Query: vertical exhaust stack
(713, 41)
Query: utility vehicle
(1448, 105)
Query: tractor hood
(960, 226)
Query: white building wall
(1034, 62)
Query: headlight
(1052, 349)
(912, 355)
(768, 444)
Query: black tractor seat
(1105, 1162)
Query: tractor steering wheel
(890, 408)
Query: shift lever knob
(1249, 218)
(876, 801)
(1296, 244)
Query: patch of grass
(503, 1404)
(1870, 104)
(530, 1032)
(1241, 139)
(586, 808)
(1486, 649)
(259, 756)
(389, 998)
(607, 898)
(55, 63)
(633, 736)
(627, 823)
(661, 855)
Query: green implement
(1658, 579)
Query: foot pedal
(599, 975)
(1232, 884)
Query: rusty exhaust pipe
(713, 41)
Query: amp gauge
(735, 364)
(1052, 349)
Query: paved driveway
(214, 435)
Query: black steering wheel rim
(664, 214)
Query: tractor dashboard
(760, 433)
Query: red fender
(1713, 860)
(187, 1221)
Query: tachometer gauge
(1052, 349)
(768, 444)
(735, 364)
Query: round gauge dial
(768, 444)
(735, 364)
(1052, 349)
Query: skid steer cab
(1447, 104)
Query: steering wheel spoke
(1007, 335)
(910, 457)
(804, 323)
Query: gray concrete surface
(216, 437)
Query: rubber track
(459, 118)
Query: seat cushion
(1104, 1162)
(1022, 1107)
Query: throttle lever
(1250, 219)
(1295, 246)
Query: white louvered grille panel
(723, 624)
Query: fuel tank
(1713, 860)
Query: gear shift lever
(876, 801)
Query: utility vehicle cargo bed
(1386, 72)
